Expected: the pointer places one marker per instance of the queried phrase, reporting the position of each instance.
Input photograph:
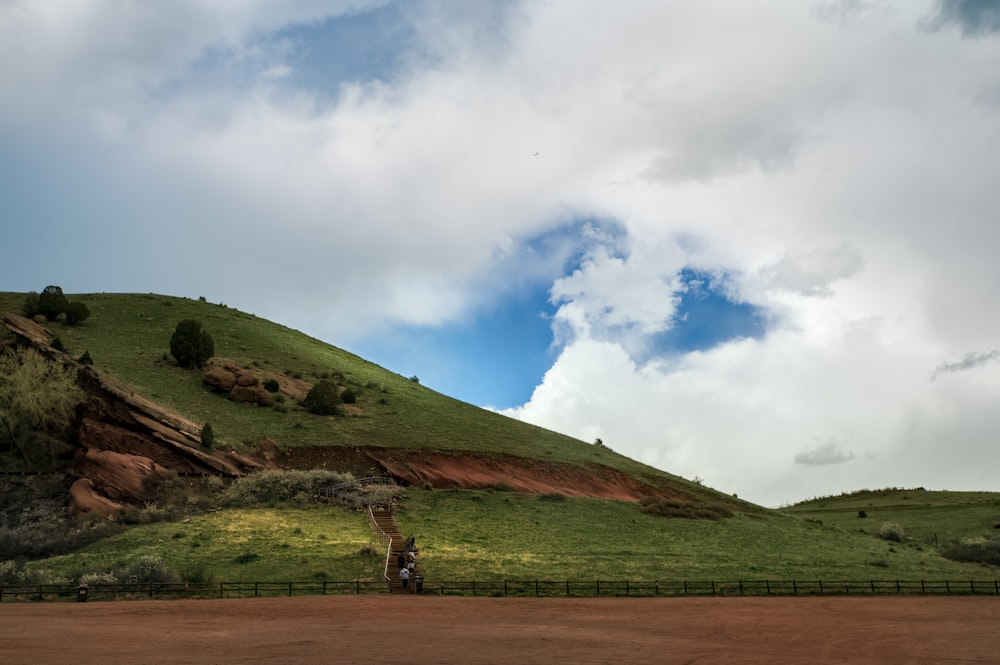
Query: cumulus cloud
(835, 161)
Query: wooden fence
(532, 588)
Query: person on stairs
(404, 575)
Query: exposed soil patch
(476, 631)
(445, 470)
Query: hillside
(396, 426)
(488, 496)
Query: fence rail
(534, 588)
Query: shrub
(272, 386)
(76, 313)
(667, 508)
(892, 532)
(145, 570)
(30, 308)
(323, 399)
(246, 557)
(52, 302)
(974, 552)
(85, 359)
(274, 486)
(57, 344)
(348, 397)
(207, 436)
(190, 345)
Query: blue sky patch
(495, 359)
(706, 317)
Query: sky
(750, 243)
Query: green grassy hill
(464, 534)
(128, 336)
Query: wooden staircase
(387, 524)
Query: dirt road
(413, 630)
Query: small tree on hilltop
(190, 345)
(52, 302)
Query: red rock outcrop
(240, 384)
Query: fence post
(685, 587)
(289, 589)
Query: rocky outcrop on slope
(126, 443)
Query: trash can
(81, 593)
(418, 581)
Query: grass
(464, 535)
(498, 536)
(932, 518)
(240, 545)
(128, 336)
(504, 535)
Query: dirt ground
(431, 629)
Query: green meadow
(463, 535)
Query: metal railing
(385, 538)
(332, 490)
(346, 491)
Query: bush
(30, 308)
(323, 399)
(145, 570)
(348, 397)
(272, 386)
(190, 345)
(974, 552)
(274, 486)
(892, 532)
(207, 436)
(76, 312)
(52, 302)
(85, 359)
(667, 508)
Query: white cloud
(836, 161)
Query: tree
(207, 436)
(38, 399)
(52, 302)
(323, 399)
(190, 345)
